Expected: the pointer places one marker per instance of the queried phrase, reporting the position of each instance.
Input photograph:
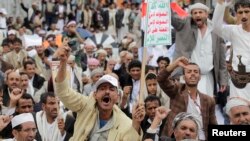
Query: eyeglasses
(29, 130)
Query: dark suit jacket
(186, 39)
(118, 18)
(178, 95)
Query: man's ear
(94, 94)
(15, 133)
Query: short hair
(17, 40)
(151, 76)
(23, 73)
(148, 68)
(44, 97)
(151, 98)
(26, 96)
(241, 3)
(192, 63)
(134, 64)
(163, 58)
(28, 63)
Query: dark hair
(23, 73)
(151, 76)
(18, 127)
(26, 96)
(151, 98)
(163, 58)
(134, 64)
(242, 3)
(44, 96)
(149, 67)
(17, 40)
(191, 63)
(28, 63)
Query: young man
(238, 35)
(98, 117)
(196, 40)
(186, 97)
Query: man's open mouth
(106, 99)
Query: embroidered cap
(198, 6)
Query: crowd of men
(93, 93)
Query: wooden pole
(142, 79)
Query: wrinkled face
(50, 107)
(128, 59)
(13, 80)
(192, 75)
(162, 64)
(151, 86)
(106, 96)
(24, 106)
(243, 15)
(199, 16)
(27, 133)
(150, 108)
(135, 73)
(186, 129)
(240, 115)
(30, 70)
(24, 81)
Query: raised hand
(15, 95)
(161, 112)
(4, 121)
(61, 125)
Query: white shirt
(202, 55)
(240, 40)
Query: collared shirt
(194, 107)
(202, 55)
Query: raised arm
(169, 86)
(70, 98)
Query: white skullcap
(198, 6)
(71, 58)
(22, 118)
(12, 32)
(3, 10)
(234, 102)
(71, 23)
(107, 46)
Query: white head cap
(107, 46)
(234, 102)
(71, 58)
(107, 78)
(198, 6)
(12, 32)
(22, 118)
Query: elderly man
(186, 97)
(23, 128)
(185, 126)
(98, 116)
(238, 110)
(196, 40)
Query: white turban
(22, 118)
(234, 102)
(198, 6)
